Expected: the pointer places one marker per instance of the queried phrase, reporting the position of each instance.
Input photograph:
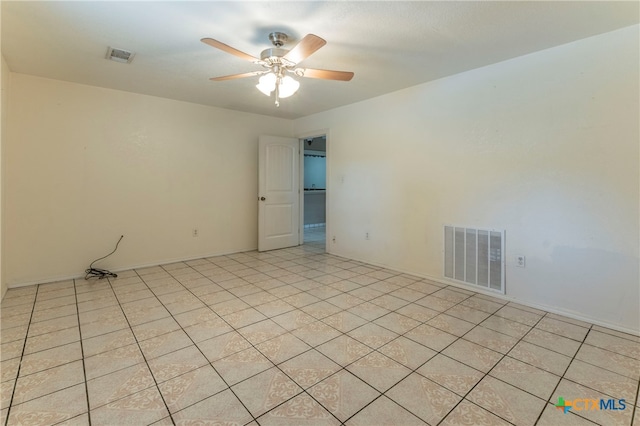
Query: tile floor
(299, 337)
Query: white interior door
(278, 192)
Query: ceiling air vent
(119, 55)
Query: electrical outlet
(520, 261)
(195, 232)
(366, 236)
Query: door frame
(301, 137)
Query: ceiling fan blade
(224, 47)
(327, 74)
(234, 76)
(309, 44)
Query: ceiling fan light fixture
(267, 83)
(288, 86)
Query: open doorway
(315, 191)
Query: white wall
(545, 146)
(4, 91)
(85, 165)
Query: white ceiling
(389, 45)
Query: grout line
(84, 369)
(24, 346)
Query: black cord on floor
(101, 273)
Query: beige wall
(85, 165)
(544, 146)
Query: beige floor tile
(54, 408)
(282, 348)
(50, 358)
(615, 344)
(259, 298)
(491, 339)
(143, 407)
(316, 333)
(384, 411)
(378, 370)
(343, 394)
(14, 333)
(48, 381)
(298, 411)
(57, 302)
(469, 414)
(11, 350)
(605, 381)
(243, 318)
(47, 314)
(506, 401)
(473, 355)
(176, 363)
(98, 303)
(540, 357)
(482, 304)
(397, 323)
(407, 294)
(552, 341)
(451, 374)
(274, 308)
(526, 377)
(506, 326)
(518, 315)
(81, 420)
(407, 352)
(9, 369)
(241, 365)
(344, 321)
(155, 328)
(417, 312)
(372, 335)
(609, 360)
(309, 368)
(616, 333)
(435, 303)
(165, 343)
(368, 311)
(266, 391)
(119, 384)
(345, 300)
(424, 398)
(6, 393)
(452, 294)
(223, 346)
(467, 313)
(321, 310)
(450, 324)
(206, 325)
(189, 388)
(106, 342)
(17, 310)
(52, 340)
(344, 350)
(222, 408)
(56, 324)
(261, 331)
(293, 320)
(562, 328)
(431, 337)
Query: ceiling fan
(279, 63)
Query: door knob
(262, 198)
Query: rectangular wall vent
(474, 256)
